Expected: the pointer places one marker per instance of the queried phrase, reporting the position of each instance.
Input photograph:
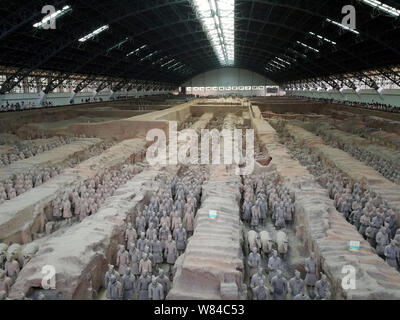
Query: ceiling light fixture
(322, 38)
(307, 46)
(54, 16)
(94, 33)
(342, 26)
(383, 7)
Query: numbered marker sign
(212, 214)
(354, 245)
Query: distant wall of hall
(227, 81)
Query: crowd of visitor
(19, 106)
(371, 106)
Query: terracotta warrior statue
(142, 242)
(143, 286)
(111, 272)
(296, 285)
(171, 251)
(130, 234)
(156, 248)
(41, 217)
(12, 267)
(145, 264)
(256, 278)
(122, 259)
(156, 290)
(255, 217)
(66, 206)
(392, 254)
(261, 292)
(180, 238)
(274, 264)
(311, 269)
(322, 289)
(253, 261)
(128, 285)
(135, 257)
(114, 289)
(164, 280)
(5, 282)
(279, 286)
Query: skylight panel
(342, 26)
(297, 53)
(174, 65)
(383, 7)
(119, 44)
(137, 50)
(290, 58)
(54, 16)
(284, 61)
(179, 67)
(322, 38)
(307, 46)
(149, 55)
(217, 18)
(274, 65)
(94, 33)
(170, 61)
(160, 60)
(278, 64)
